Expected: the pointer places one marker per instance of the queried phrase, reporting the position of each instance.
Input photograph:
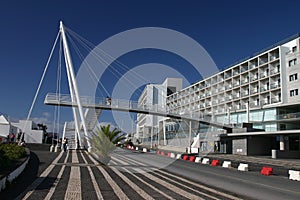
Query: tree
(114, 136)
(104, 141)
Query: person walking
(64, 143)
(12, 137)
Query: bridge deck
(128, 106)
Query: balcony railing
(288, 116)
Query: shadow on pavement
(24, 180)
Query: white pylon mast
(73, 85)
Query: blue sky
(228, 30)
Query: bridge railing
(86, 101)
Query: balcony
(254, 91)
(275, 85)
(228, 87)
(273, 57)
(275, 71)
(244, 94)
(244, 69)
(288, 116)
(253, 78)
(244, 81)
(275, 100)
(263, 89)
(236, 84)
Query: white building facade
(154, 96)
(263, 89)
(7, 129)
(31, 132)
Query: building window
(293, 62)
(294, 49)
(294, 92)
(293, 77)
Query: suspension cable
(39, 87)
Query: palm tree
(104, 141)
(114, 136)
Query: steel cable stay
(110, 60)
(56, 117)
(39, 87)
(107, 59)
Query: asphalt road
(137, 175)
(251, 185)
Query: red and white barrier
(243, 167)
(226, 164)
(178, 156)
(215, 163)
(294, 175)
(205, 161)
(267, 171)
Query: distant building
(7, 129)
(32, 134)
(154, 96)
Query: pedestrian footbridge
(128, 106)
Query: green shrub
(10, 153)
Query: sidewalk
(40, 159)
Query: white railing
(64, 99)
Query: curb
(13, 175)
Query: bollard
(52, 148)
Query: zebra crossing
(77, 175)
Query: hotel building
(263, 89)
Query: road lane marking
(96, 187)
(169, 186)
(74, 184)
(180, 178)
(146, 183)
(200, 186)
(52, 189)
(132, 185)
(30, 189)
(117, 190)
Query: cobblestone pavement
(77, 175)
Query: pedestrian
(12, 137)
(64, 143)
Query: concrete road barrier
(215, 163)
(136, 148)
(192, 158)
(178, 156)
(145, 150)
(226, 164)
(185, 157)
(172, 155)
(198, 160)
(267, 171)
(205, 161)
(243, 167)
(294, 175)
